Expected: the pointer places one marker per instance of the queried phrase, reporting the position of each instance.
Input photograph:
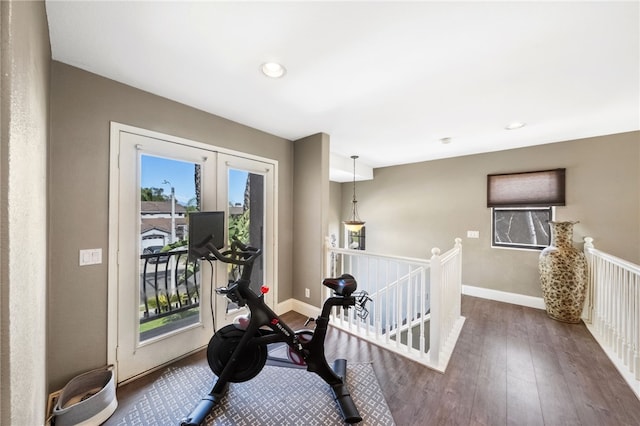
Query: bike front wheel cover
(221, 348)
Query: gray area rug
(277, 396)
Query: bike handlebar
(238, 254)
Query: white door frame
(112, 296)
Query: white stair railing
(415, 310)
(612, 310)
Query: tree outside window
(526, 228)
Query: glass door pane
(169, 283)
(246, 192)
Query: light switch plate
(90, 257)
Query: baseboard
(297, 306)
(503, 296)
(283, 307)
(484, 293)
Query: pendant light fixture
(355, 224)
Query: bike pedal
(308, 321)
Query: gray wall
(335, 214)
(24, 111)
(310, 215)
(82, 106)
(410, 209)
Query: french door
(160, 300)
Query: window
(525, 228)
(355, 240)
(522, 206)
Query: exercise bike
(239, 351)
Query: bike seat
(344, 285)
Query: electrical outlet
(473, 234)
(307, 293)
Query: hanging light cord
(354, 185)
(354, 224)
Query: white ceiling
(386, 80)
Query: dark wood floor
(511, 366)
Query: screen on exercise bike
(201, 226)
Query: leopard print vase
(563, 275)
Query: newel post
(588, 243)
(435, 280)
(458, 290)
(587, 312)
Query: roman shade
(526, 189)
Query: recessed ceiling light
(273, 69)
(445, 140)
(515, 125)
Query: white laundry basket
(87, 400)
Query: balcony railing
(169, 289)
